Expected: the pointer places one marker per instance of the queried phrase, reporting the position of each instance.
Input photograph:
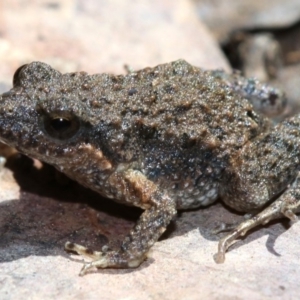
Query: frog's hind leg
(286, 205)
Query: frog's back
(178, 124)
(176, 104)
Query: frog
(162, 138)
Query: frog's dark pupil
(60, 124)
(61, 127)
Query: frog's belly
(196, 196)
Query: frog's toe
(219, 257)
(222, 227)
(111, 260)
(83, 251)
(101, 263)
(102, 260)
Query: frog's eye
(16, 78)
(61, 127)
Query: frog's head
(44, 115)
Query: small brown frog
(165, 138)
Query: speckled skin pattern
(165, 138)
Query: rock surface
(102, 36)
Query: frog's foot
(101, 260)
(286, 205)
(225, 227)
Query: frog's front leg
(159, 211)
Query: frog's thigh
(266, 99)
(287, 204)
(159, 211)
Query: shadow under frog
(49, 213)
